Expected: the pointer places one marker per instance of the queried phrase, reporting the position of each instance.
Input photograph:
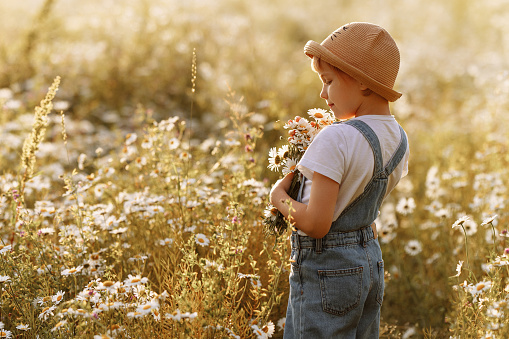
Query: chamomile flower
(57, 298)
(460, 221)
(458, 268)
(470, 227)
(110, 306)
(184, 155)
(136, 314)
(284, 151)
(413, 247)
(59, 325)
(270, 212)
(258, 332)
(177, 315)
(4, 278)
(489, 220)
(23, 327)
(275, 160)
(135, 280)
(268, 329)
(148, 307)
(202, 240)
(5, 334)
(47, 312)
(290, 166)
(281, 324)
(72, 271)
(405, 206)
(318, 113)
(173, 143)
(130, 138)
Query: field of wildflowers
(137, 142)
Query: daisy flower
(270, 212)
(290, 166)
(47, 312)
(268, 329)
(147, 143)
(281, 323)
(130, 138)
(23, 327)
(109, 286)
(148, 307)
(135, 280)
(185, 155)
(165, 242)
(489, 220)
(57, 298)
(405, 206)
(5, 334)
(284, 151)
(458, 268)
(72, 271)
(258, 332)
(470, 227)
(202, 240)
(318, 113)
(255, 282)
(59, 325)
(4, 278)
(413, 247)
(174, 143)
(460, 221)
(275, 159)
(110, 306)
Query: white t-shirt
(342, 153)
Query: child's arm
(314, 219)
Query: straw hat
(364, 51)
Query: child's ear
(362, 87)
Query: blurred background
(117, 58)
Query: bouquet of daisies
(301, 133)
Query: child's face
(341, 92)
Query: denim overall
(337, 282)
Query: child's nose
(323, 94)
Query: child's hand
(282, 184)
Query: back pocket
(340, 289)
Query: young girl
(337, 277)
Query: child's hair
(316, 66)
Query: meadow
(134, 173)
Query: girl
(337, 277)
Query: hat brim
(314, 49)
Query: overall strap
(372, 139)
(398, 155)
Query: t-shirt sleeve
(326, 155)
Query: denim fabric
(337, 282)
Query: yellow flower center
(108, 283)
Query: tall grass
(146, 221)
